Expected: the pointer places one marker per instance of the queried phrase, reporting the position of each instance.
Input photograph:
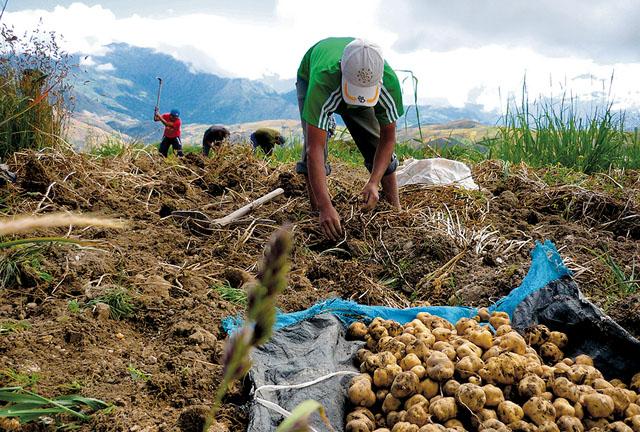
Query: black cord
(3, 8)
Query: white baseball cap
(362, 70)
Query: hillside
(160, 363)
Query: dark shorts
(363, 127)
(170, 142)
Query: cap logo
(360, 98)
(364, 76)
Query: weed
(138, 374)
(28, 406)
(74, 306)
(622, 283)
(119, 301)
(236, 296)
(22, 265)
(8, 327)
(15, 378)
(73, 387)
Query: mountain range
(116, 92)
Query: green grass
(546, 133)
(20, 264)
(74, 306)
(10, 326)
(119, 300)
(138, 374)
(14, 378)
(236, 296)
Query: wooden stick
(246, 209)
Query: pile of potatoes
(431, 376)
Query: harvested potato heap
(431, 376)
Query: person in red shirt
(171, 136)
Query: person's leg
(365, 131)
(177, 146)
(163, 148)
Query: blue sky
(462, 51)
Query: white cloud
(241, 46)
(105, 67)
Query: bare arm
(381, 160)
(329, 218)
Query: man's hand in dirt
(370, 196)
(330, 223)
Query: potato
(507, 368)
(409, 361)
(551, 353)
(632, 410)
(395, 417)
(405, 384)
(393, 345)
(567, 361)
(513, 342)
(418, 347)
(494, 351)
(618, 383)
(361, 413)
(439, 367)
(360, 392)
(539, 410)
(383, 377)
(446, 348)
(601, 383)
(357, 330)
(418, 414)
(427, 338)
(509, 412)
(382, 429)
(444, 409)
(362, 354)
(471, 396)
(450, 387)
(584, 360)
(619, 427)
(568, 423)
(558, 339)
(598, 405)
(503, 330)
(468, 366)
(381, 422)
(480, 337)
(633, 396)
(530, 386)
(433, 321)
(596, 424)
(564, 388)
(499, 318)
(371, 343)
(537, 335)
(377, 331)
(390, 403)
(635, 382)
(493, 395)
(563, 408)
(414, 400)
(420, 371)
(467, 349)
(433, 427)
(429, 388)
(522, 426)
(455, 424)
(620, 399)
(483, 314)
(441, 334)
(404, 427)
(465, 324)
(583, 374)
(406, 338)
(579, 410)
(376, 361)
(547, 395)
(357, 426)
(548, 427)
(381, 394)
(633, 423)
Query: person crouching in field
(349, 77)
(171, 135)
(213, 137)
(266, 139)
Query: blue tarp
(546, 266)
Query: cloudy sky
(461, 50)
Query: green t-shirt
(320, 68)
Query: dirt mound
(446, 246)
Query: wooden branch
(246, 209)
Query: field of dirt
(160, 366)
